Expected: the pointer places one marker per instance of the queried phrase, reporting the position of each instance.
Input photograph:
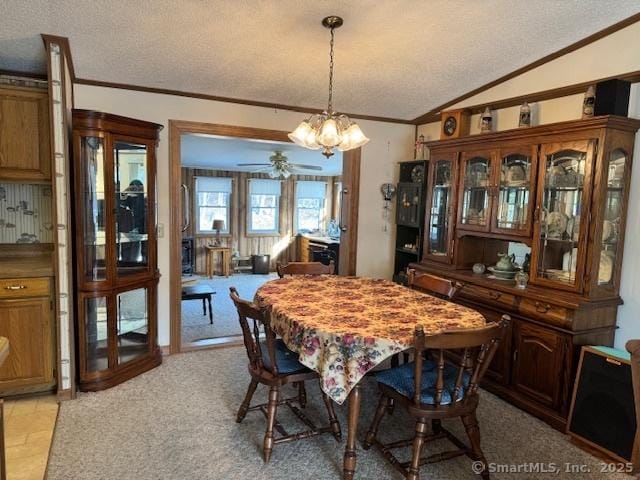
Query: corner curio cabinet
(554, 198)
(115, 247)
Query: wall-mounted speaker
(602, 414)
(612, 98)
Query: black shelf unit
(410, 205)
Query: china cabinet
(410, 207)
(555, 194)
(116, 254)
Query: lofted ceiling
(394, 58)
(223, 153)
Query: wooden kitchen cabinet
(26, 320)
(25, 152)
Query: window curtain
(214, 184)
(309, 189)
(264, 187)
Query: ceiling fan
(279, 166)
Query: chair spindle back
(251, 333)
(305, 268)
(432, 284)
(476, 347)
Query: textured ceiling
(394, 58)
(206, 151)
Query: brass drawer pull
(15, 287)
(495, 295)
(543, 307)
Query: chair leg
(421, 432)
(473, 432)
(333, 420)
(302, 394)
(204, 307)
(244, 407)
(274, 397)
(436, 426)
(383, 406)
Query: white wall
(390, 143)
(613, 55)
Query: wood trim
(29, 75)
(179, 127)
(66, 47)
(216, 98)
(433, 114)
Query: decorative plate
(417, 174)
(556, 224)
(605, 272)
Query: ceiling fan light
(329, 136)
(299, 135)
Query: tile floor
(28, 430)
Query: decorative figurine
(478, 268)
(521, 279)
(420, 150)
(589, 102)
(486, 121)
(525, 115)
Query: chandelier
(329, 130)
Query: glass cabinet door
(475, 199)
(94, 212)
(132, 206)
(439, 209)
(559, 249)
(611, 228)
(132, 324)
(514, 203)
(97, 333)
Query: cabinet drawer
(487, 295)
(545, 311)
(24, 287)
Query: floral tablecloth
(342, 327)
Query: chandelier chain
(330, 107)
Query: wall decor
(486, 121)
(525, 115)
(589, 102)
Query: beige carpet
(177, 422)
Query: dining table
(344, 326)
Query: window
(310, 200)
(264, 205)
(213, 199)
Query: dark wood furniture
(432, 284)
(272, 364)
(560, 192)
(115, 247)
(305, 268)
(432, 390)
(187, 255)
(409, 214)
(4, 353)
(200, 292)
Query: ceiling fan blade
(253, 164)
(306, 167)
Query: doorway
(246, 215)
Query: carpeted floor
(178, 422)
(196, 326)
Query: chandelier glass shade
(329, 130)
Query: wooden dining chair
(272, 364)
(433, 285)
(438, 389)
(305, 268)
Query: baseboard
(165, 350)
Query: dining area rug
(178, 422)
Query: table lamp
(217, 226)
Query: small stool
(200, 292)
